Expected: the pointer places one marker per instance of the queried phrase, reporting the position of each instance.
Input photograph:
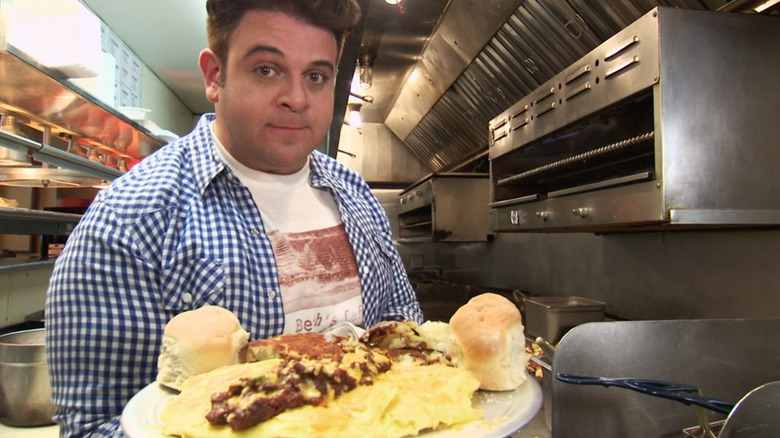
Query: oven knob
(581, 212)
(543, 215)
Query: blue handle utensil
(672, 391)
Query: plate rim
(154, 394)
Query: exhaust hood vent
(442, 114)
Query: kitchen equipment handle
(657, 388)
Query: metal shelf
(51, 155)
(47, 99)
(36, 222)
(55, 106)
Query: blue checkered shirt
(176, 232)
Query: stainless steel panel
(34, 91)
(442, 63)
(537, 41)
(428, 80)
(467, 35)
(632, 205)
(56, 157)
(465, 38)
(442, 208)
(404, 117)
(442, 143)
(416, 197)
(724, 217)
(669, 76)
(725, 358)
(622, 66)
(718, 103)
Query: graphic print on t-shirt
(318, 279)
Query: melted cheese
(401, 402)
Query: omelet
(404, 401)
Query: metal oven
(671, 123)
(445, 207)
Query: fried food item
(407, 341)
(404, 401)
(485, 336)
(532, 368)
(395, 335)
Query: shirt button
(271, 294)
(255, 232)
(364, 269)
(186, 298)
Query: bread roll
(197, 341)
(489, 340)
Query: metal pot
(25, 391)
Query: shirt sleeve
(390, 297)
(103, 323)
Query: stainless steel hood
(670, 124)
(472, 69)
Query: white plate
(504, 412)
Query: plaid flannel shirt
(176, 232)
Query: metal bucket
(25, 391)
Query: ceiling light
(392, 2)
(353, 118)
(766, 5)
(366, 72)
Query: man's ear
(211, 68)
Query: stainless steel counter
(724, 358)
(535, 429)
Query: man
(241, 213)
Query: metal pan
(757, 414)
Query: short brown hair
(338, 16)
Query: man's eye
(317, 77)
(265, 71)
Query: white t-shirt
(318, 276)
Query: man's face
(276, 101)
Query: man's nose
(294, 95)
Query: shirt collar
(207, 163)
